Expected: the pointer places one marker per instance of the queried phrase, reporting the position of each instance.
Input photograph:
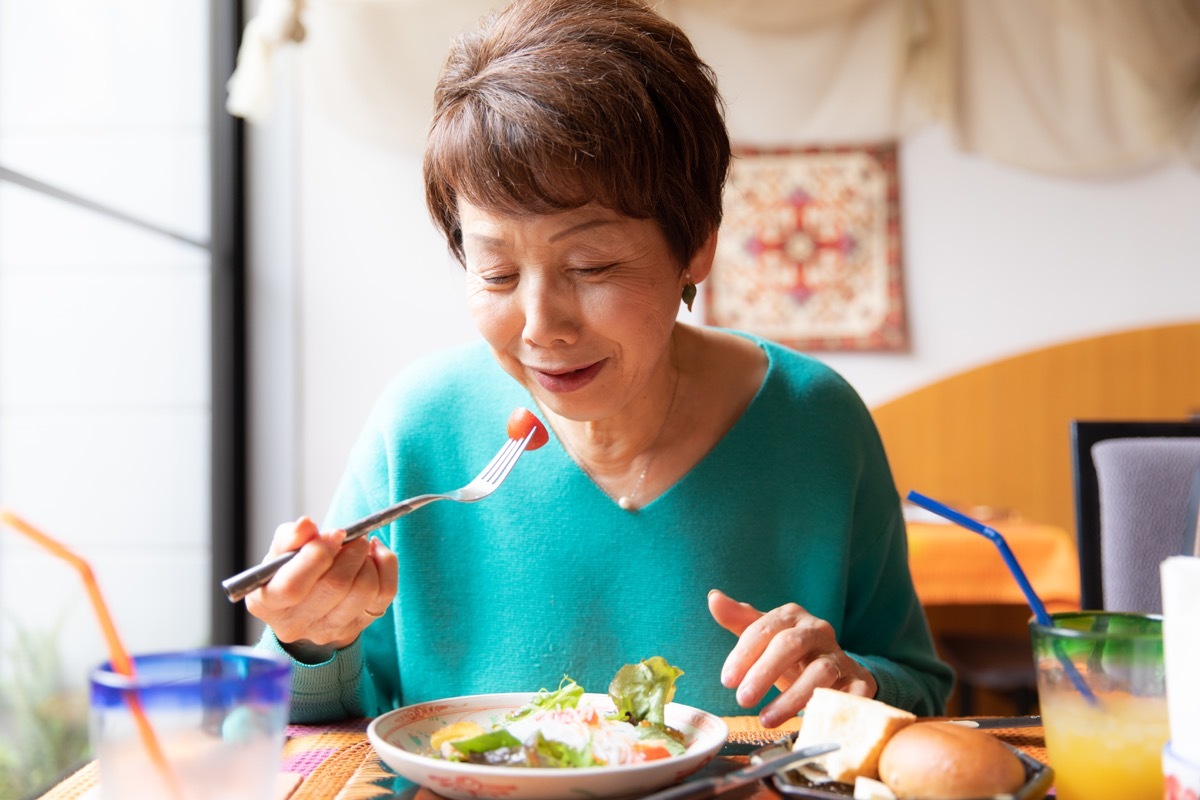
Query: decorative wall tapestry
(809, 249)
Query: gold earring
(689, 292)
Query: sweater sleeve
(884, 625)
(342, 686)
(890, 625)
(327, 691)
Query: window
(121, 327)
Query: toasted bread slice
(870, 789)
(859, 725)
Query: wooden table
(336, 760)
(953, 566)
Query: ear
(702, 261)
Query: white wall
(999, 261)
(996, 261)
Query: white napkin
(1181, 648)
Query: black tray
(1038, 778)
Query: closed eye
(499, 278)
(590, 272)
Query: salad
(555, 730)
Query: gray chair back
(1086, 433)
(1144, 486)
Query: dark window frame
(229, 475)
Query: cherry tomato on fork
(521, 421)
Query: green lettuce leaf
(549, 753)
(492, 740)
(567, 695)
(661, 736)
(641, 691)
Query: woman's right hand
(323, 598)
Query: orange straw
(121, 662)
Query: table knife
(1000, 722)
(709, 787)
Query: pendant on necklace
(626, 501)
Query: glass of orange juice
(1109, 744)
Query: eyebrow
(490, 240)
(582, 226)
(591, 223)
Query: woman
(575, 164)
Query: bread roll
(860, 725)
(945, 761)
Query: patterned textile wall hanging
(809, 249)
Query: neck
(619, 459)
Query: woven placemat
(1029, 741)
(334, 761)
(748, 730)
(77, 785)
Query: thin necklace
(627, 501)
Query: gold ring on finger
(372, 614)
(832, 660)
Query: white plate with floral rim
(401, 738)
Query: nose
(551, 311)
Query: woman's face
(578, 307)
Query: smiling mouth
(566, 373)
(568, 380)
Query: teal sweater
(549, 577)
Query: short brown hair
(554, 104)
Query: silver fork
(486, 482)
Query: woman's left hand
(786, 647)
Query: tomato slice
(521, 422)
(652, 752)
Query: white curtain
(1077, 87)
(1069, 87)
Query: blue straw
(1035, 602)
